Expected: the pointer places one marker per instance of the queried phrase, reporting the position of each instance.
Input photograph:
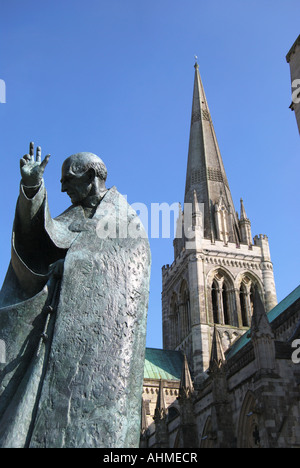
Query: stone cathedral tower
(210, 285)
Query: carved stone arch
(253, 278)
(245, 283)
(208, 437)
(221, 270)
(248, 435)
(221, 297)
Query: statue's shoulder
(114, 197)
(126, 218)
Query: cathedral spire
(205, 170)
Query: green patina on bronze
(73, 317)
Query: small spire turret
(217, 357)
(186, 383)
(160, 410)
(245, 226)
(262, 336)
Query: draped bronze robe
(74, 347)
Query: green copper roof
(284, 304)
(272, 315)
(163, 364)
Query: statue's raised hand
(32, 170)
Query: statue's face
(77, 186)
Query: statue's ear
(91, 174)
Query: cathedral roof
(284, 304)
(163, 364)
(272, 315)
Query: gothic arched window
(223, 309)
(243, 301)
(225, 305)
(246, 294)
(248, 426)
(251, 299)
(215, 301)
(185, 312)
(208, 439)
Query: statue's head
(83, 175)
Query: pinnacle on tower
(217, 357)
(260, 325)
(186, 384)
(143, 418)
(245, 226)
(243, 211)
(262, 336)
(161, 429)
(160, 409)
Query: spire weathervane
(196, 61)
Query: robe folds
(75, 344)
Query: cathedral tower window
(223, 310)
(225, 305)
(251, 299)
(185, 312)
(243, 301)
(215, 301)
(246, 294)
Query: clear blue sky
(115, 77)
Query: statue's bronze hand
(32, 170)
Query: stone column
(238, 308)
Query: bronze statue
(73, 313)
